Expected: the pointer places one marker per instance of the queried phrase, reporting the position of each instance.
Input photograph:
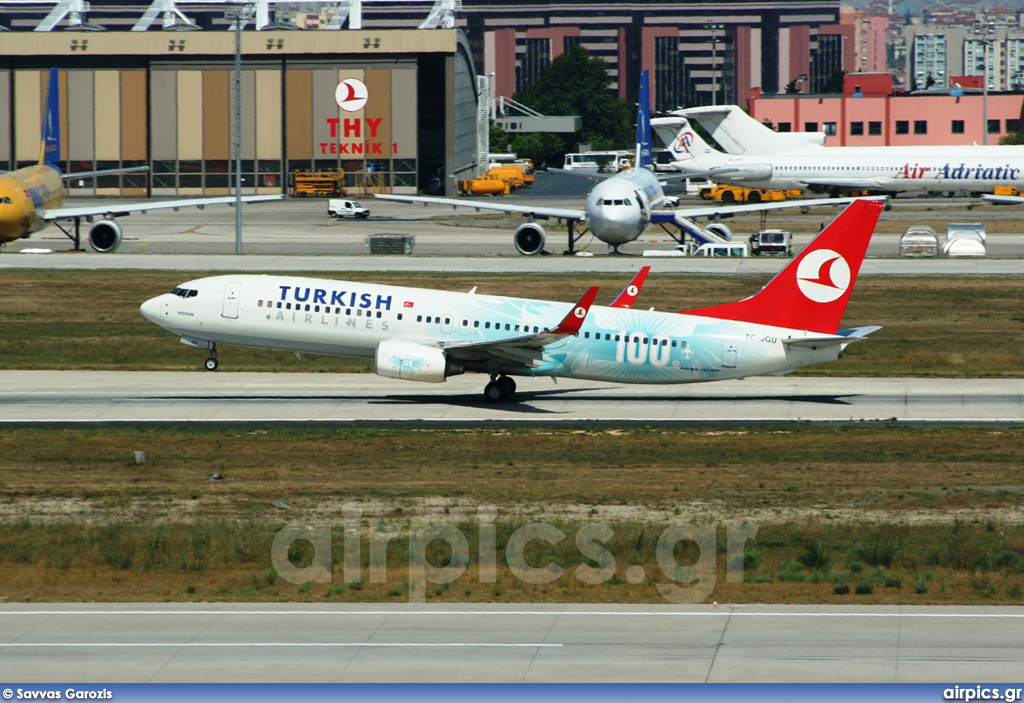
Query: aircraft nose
(151, 309)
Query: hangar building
(166, 99)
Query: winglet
(627, 297)
(571, 323)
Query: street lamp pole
(240, 16)
(984, 43)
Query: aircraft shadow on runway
(524, 397)
(521, 402)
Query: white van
(346, 208)
(725, 249)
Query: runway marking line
(277, 644)
(721, 612)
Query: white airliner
(419, 334)
(736, 132)
(619, 208)
(769, 163)
(31, 197)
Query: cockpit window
(6, 200)
(185, 292)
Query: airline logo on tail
(823, 276)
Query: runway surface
(75, 397)
(507, 643)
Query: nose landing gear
(499, 389)
(211, 362)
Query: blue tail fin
(644, 151)
(51, 123)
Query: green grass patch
(232, 561)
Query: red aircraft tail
(812, 291)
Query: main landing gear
(211, 362)
(500, 388)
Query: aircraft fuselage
(25, 195)
(344, 318)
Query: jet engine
(410, 361)
(529, 238)
(105, 236)
(720, 229)
(751, 172)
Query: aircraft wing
(712, 210)
(584, 174)
(530, 210)
(114, 209)
(527, 348)
(662, 175)
(103, 172)
(1003, 199)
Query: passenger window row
(359, 312)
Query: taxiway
(507, 643)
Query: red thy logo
(351, 95)
(823, 276)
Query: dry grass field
(847, 514)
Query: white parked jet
(838, 169)
(418, 334)
(738, 133)
(618, 209)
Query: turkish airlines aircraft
(619, 208)
(419, 334)
(31, 197)
(839, 169)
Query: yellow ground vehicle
(740, 194)
(322, 184)
(513, 172)
(501, 179)
(485, 185)
(1006, 190)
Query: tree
(791, 87)
(498, 139)
(576, 83)
(1012, 138)
(834, 84)
(541, 148)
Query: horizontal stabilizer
(815, 342)
(854, 334)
